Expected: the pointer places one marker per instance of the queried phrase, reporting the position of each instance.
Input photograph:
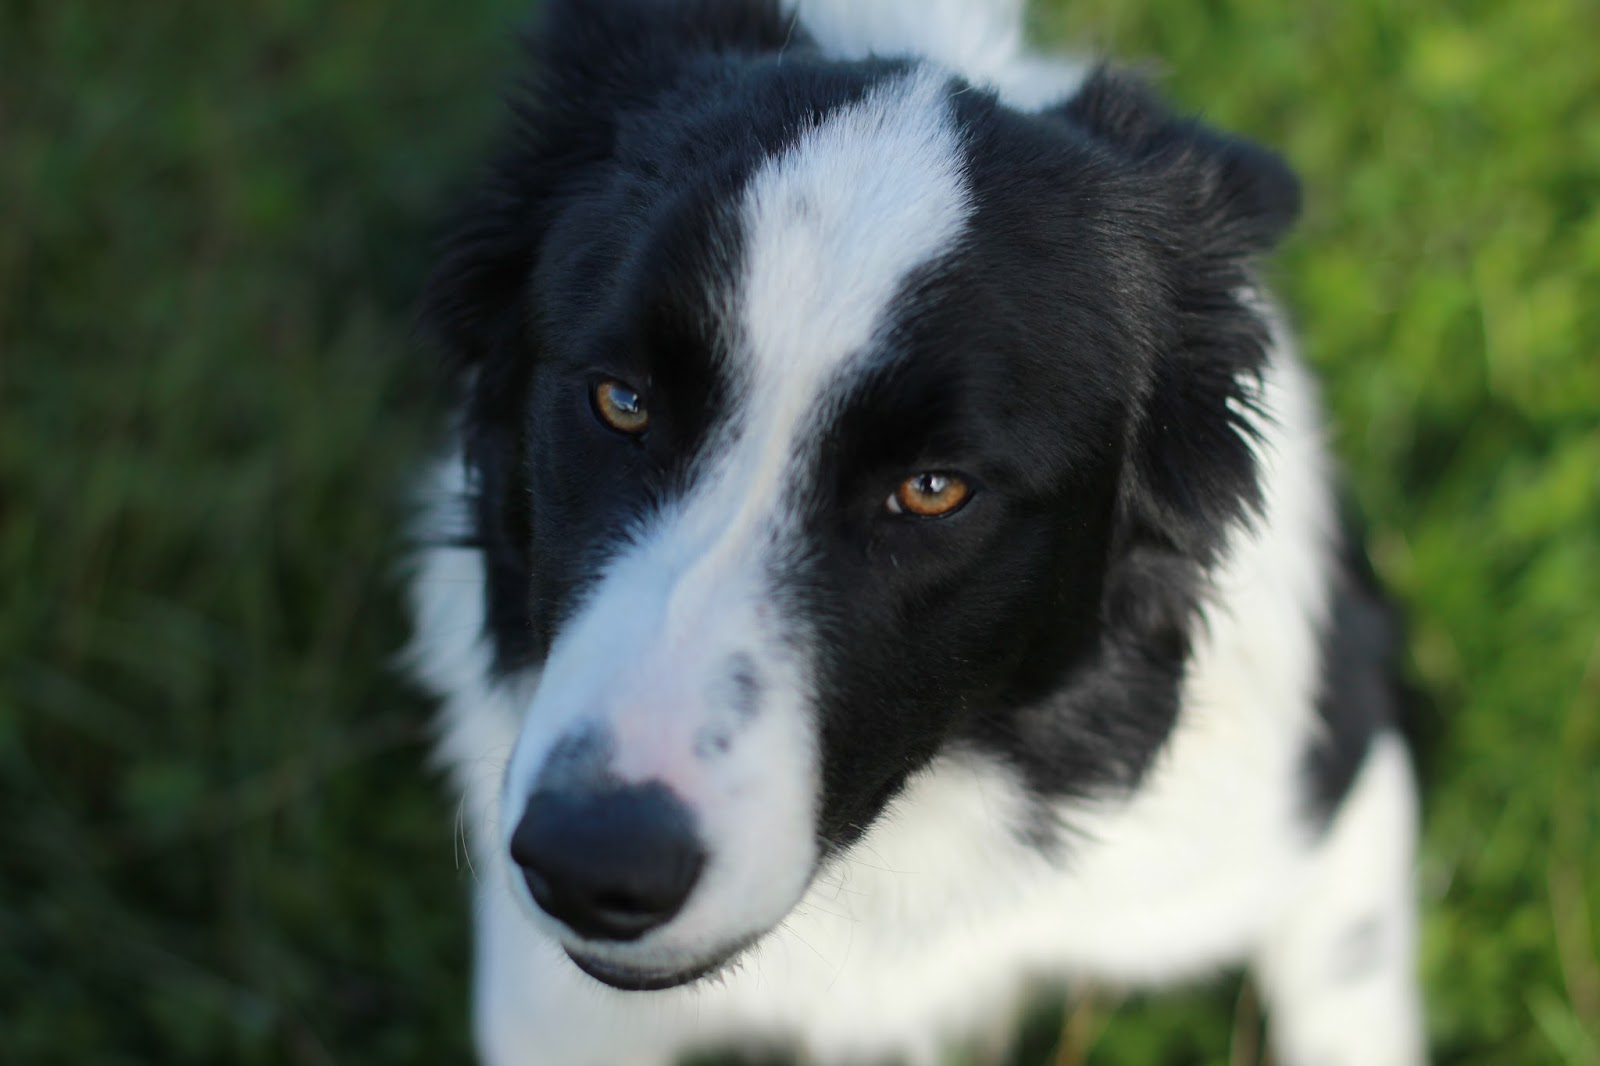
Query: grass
(218, 846)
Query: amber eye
(929, 495)
(620, 407)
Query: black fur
(1363, 688)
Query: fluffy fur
(1127, 713)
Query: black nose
(612, 865)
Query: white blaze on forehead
(834, 226)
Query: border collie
(890, 558)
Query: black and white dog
(896, 561)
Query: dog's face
(823, 417)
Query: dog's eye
(620, 407)
(929, 495)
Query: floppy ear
(1239, 197)
(592, 61)
(1218, 202)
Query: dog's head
(822, 416)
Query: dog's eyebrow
(897, 411)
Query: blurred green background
(218, 843)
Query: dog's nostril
(612, 865)
(625, 902)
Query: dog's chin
(638, 979)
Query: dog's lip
(639, 979)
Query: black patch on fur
(735, 703)
(711, 742)
(578, 762)
(1085, 354)
(1362, 690)
(745, 687)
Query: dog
(889, 557)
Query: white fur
(979, 39)
(835, 225)
(934, 923)
(1338, 967)
(478, 721)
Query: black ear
(592, 63)
(1240, 198)
(1209, 205)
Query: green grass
(217, 843)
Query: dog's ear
(1211, 204)
(1236, 197)
(592, 62)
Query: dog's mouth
(641, 979)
